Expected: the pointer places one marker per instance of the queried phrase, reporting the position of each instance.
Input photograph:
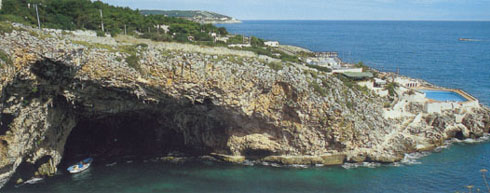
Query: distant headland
(194, 15)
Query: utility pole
(125, 32)
(101, 20)
(38, 21)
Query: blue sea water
(427, 50)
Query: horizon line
(431, 20)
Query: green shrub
(289, 58)
(363, 89)
(347, 82)
(256, 42)
(349, 104)
(361, 65)
(157, 37)
(391, 88)
(13, 18)
(181, 38)
(5, 58)
(133, 62)
(142, 45)
(387, 105)
(318, 89)
(238, 39)
(260, 51)
(275, 66)
(203, 36)
(5, 28)
(100, 34)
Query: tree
(256, 42)
(85, 14)
(222, 31)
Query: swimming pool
(442, 95)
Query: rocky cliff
(124, 95)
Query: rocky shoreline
(232, 105)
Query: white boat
(80, 166)
(33, 180)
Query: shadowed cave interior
(135, 135)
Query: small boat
(80, 166)
(33, 180)
(468, 40)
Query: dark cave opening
(137, 135)
(28, 170)
(459, 135)
(5, 120)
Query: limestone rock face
(230, 104)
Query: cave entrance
(131, 134)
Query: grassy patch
(318, 89)
(272, 53)
(133, 49)
(349, 104)
(387, 105)
(166, 53)
(312, 73)
(363, 89)
(5, 28)
(319, 68)
(236, 60)
(347, 82)
(289, 58)
(143, 45)
(5, 58)
(306, 54)
(275, 66)
(133, 62)
(94, 45)
(13, 18)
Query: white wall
(438, 107)
(347, 70)
(271, 43)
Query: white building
(344, 70)
(239, 46)
(223, 39)
(407, 82)
(379, 83)
(274, 44)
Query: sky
(327, 9)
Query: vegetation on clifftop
(85, 14)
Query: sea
(428, 50)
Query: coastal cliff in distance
(195, 16)
(61, 92)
